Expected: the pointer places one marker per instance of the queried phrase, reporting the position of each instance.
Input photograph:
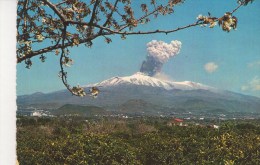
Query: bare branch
(237, 8)
(94, 12)
(77, 91)
(54, 8)
(63, 74)
(156, 31)
(111, 13)
(143, 17)
(132, 33)
(58, 4)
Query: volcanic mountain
(141, 79)
(140, 92)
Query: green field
(78, 140)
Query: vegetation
(134, 141)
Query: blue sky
(235, 55)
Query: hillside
(118, 93)
(70, 109)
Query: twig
(54, 8)
(237, 8)
(63, 74)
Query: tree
(69, 23)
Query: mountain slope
(117, 92)
(145, 80)
(70, 109)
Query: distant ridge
(142, 93)
(70, 109)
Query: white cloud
(253, 85)
(210, 67)
(255, 64)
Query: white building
(37, 113)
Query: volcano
(140, 92)
(142, 79)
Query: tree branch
(107, 31)
(132, 33)
(54, 8)
(111, 13)
(51, 48)
(77, 91)
(94, 12)
(60, 3)
(24, 8)
(237, 8)
(156, 31)
(143, 17)
(63, 73)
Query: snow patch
(140, 78)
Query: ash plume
(159, 53)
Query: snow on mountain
(145, 80)
(140, 92)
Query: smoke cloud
(159, 53)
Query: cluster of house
(35, 113)
(180, 122)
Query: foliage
(55, 26)
(116, 141)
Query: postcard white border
(7, 82)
